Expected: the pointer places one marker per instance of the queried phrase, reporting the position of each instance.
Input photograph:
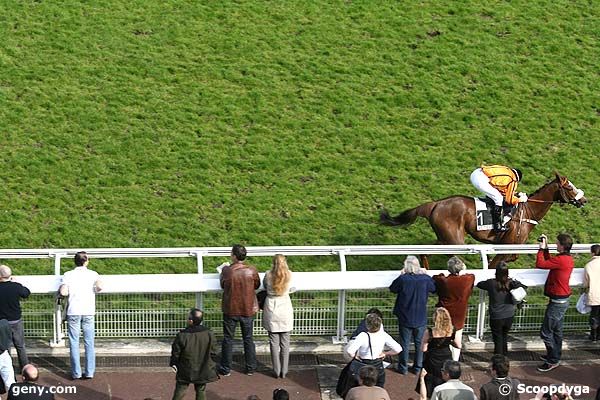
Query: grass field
(181, 123)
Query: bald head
(30, 373)
(5, 272)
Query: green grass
(142, 124)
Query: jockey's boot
(497, 218)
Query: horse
(453, 217)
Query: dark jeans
(18, 339)
(552, 330)
(405, 336)
(595, 322)
(181, 387)
(500, 329)
(229, 325)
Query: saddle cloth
(483, 210)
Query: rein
(541, 201)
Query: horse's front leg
(424, 261)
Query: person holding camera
(502, 306)
(558, 291)
(11, 294)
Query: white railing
(341, 281)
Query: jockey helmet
(518, 173)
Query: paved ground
(134, 385)
(305, 381)
(313, 374)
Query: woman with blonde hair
(278, 314)
(436, 349)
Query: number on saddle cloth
(483, 212)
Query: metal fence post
(58, 338)
(481, 307)
(200, 265)
(341, 306)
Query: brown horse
(451, 218)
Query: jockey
(499, 183)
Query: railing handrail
(261, 251)
(201, 282)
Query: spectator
(362, 326)
(557, 395)
(591, 281)
(453, 388)
(281, 394)
(278, 314)
(10, 309)
(412, 288)
(6, 368)
(502, 307)
(81, 285)
(239, 282)
(28, 389)
(497, 388)
(192, 357)
(454, 291)
(437, 342)
(369, 347)
(367, 390)
(558, 291)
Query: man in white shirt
(453, 388)
(81, 285)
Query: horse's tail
(407, 217)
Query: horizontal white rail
(369, 250)
(340, 281)
(303, 281)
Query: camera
(541, 238)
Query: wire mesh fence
(157, 315)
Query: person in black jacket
(7, 373)
(502, 307)
(28, 389)
(192, 355)
(501, 387)
(11, 294)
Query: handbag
(261, 297)
(582, 304)
(349, 376)
(518, 294)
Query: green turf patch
(137, 124)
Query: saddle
(483, 209)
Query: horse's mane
(545, 185)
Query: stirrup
(501, 228)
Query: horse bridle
(564, 199)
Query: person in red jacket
(558, 291)
(454, 291)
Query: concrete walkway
(138, 369)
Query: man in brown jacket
(239, 282)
